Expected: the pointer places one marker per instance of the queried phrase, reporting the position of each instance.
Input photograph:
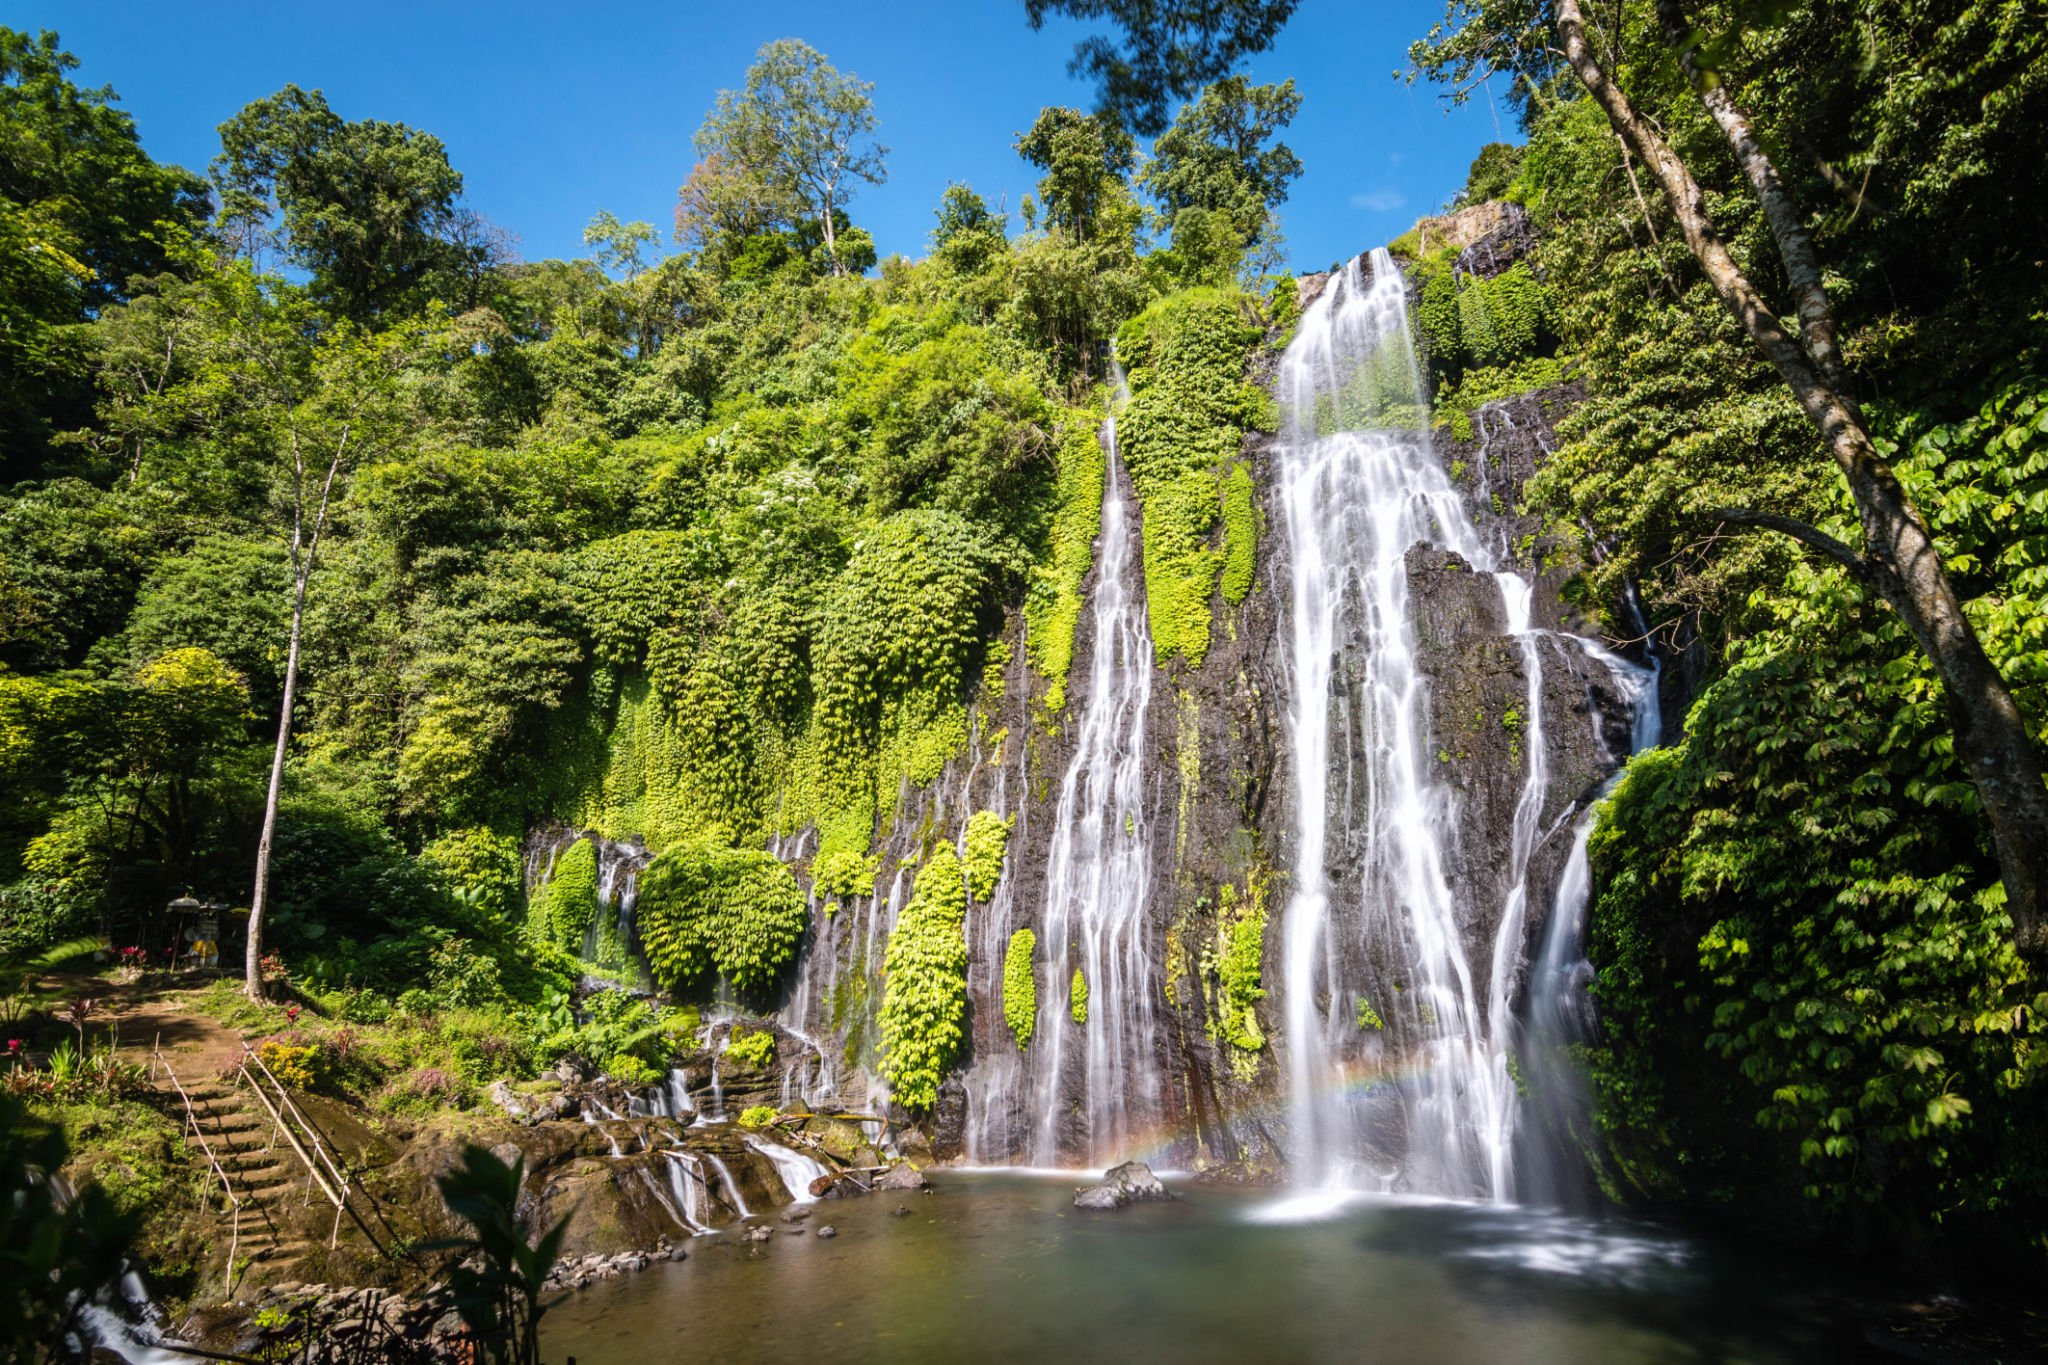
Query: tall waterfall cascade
(1088, 1089)
(1398, 1027)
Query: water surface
(999, 1266)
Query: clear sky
(552, 112)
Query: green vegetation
(924, 1008)
(751, 1047)
(1180, 434)
(1020, 986)
(1077, 997)
(1366, 1015)
(567, 905)
(1234, 965)
(731, 912)
(759, 1116)
(1053, 608)
(988, 836)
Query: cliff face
(1200, 1027)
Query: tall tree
(1087, 160)
(798, 140)
(367, 208)
(83, 210)
(1215, 158)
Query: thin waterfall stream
(1092, 1081)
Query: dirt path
(162, 1012)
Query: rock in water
(1130, 1183)
(828, 1231)
(902, 1176)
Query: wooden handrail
(227, 1186)
(340, 1201)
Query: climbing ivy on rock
(988, 836)
(706, 910)
(1234, 965)
(567, 904)
(924, 1002)
(1052, 610)
(1190, 407)
(1020, 986)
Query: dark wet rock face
(1122, 1186)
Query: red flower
(291, 1014)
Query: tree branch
(1862, 569)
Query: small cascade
(729, 1187)
(1560, 1013)
(691, 1206)
(796, 1170)
(1094, 1086)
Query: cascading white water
(1360, 486)
(796, 1170)
(1098, 879)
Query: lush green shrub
(988, 836)
(1020, 986)
(751, 1047)
(732, 912)
(482, 866)
(567, 904)
(1077, 997)
(924, 1006)
(1190, 404)
(759, 1116)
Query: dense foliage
(1806, 973)
(924, 1006)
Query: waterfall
(1360, 486)
(1093, 1087)
(795, 1170)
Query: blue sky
(552, 112)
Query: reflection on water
(1001, 1267)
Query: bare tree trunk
(1899, 559)
(302, 573)
(260, 897)
(831, 239)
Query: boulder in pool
(1130, 1183)
(902, 1176)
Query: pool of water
(1000, 1266)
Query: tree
(1214, 160)
(796, 142)
(367, 208)
(1087, 160)
(1898, 560)
(312, 397)
(1171, 49)
(83, 211)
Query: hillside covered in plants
(1092, 690)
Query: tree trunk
(831, 239)
(260, 897)
(1903, 564)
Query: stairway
(268, 1179)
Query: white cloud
(1379, 201)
